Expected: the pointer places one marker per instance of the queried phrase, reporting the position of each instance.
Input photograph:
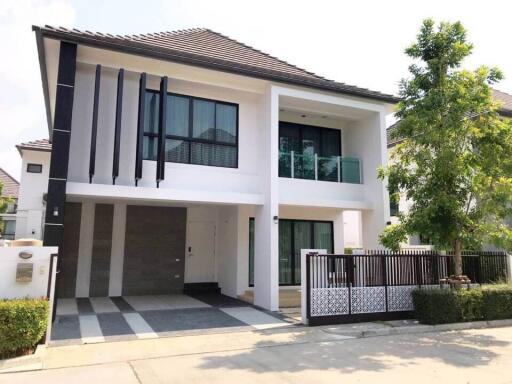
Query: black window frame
(190, 139)
(29, 165)
(296, 280)
(301, 128)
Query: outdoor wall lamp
(276, 219)
(55, 211)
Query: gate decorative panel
(368, 299)
(329, 301)
(400, 298)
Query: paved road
(310, 356)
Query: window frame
(301, 127)
(34, 165)
(190, 139)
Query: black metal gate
(378, 285)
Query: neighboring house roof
(506, 100)
(11, 186)
(36, 145)
(206, 48)
(505, 110)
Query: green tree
(4, 201)
(455, 161)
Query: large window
(197, 131)
(306, 141)
(295, 235)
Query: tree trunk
(457, 257)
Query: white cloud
(22, 114)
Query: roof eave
(44, 77)
(183, 58)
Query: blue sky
(356, 42)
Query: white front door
(200, 252)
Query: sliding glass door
(295, 235)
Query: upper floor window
(197, 131)
(314, 149)
(34, 168)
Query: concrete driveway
(306, 355)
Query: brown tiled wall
(101, 249)
(66, 279)
(155, 239)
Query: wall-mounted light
(55, 211)
(276, 219)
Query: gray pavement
(303, 355)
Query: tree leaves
(454, 163)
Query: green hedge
(22, 325)
(439, 306)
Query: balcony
(313, 167)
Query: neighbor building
(35, 167)
(185, 159)
(10, 188)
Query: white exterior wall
(9, 259)
(31, 207)
(243, 179)
(367, 141)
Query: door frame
(214, 249)
(296, 279)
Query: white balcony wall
(244, 179)
(365, 139)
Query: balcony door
(306, 141)
(295, 235)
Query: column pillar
(61, 133)
(83, 271)
(115, 286)
(339, 235)
(266, 261)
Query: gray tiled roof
(505, 99)
(10, 185)
(206, 48)
(505, 110)
(36, 145)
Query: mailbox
(24, 272)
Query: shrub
(22, 325)
(439, 306)
(435, 306)
(469, 304)
(497, 302)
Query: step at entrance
(191, 288)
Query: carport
(103, 319)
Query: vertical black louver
(117, 133)
(140, 128)
(94, 128)
(160, 167)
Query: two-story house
(35, 167)
(186, 157)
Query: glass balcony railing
(325, 168)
